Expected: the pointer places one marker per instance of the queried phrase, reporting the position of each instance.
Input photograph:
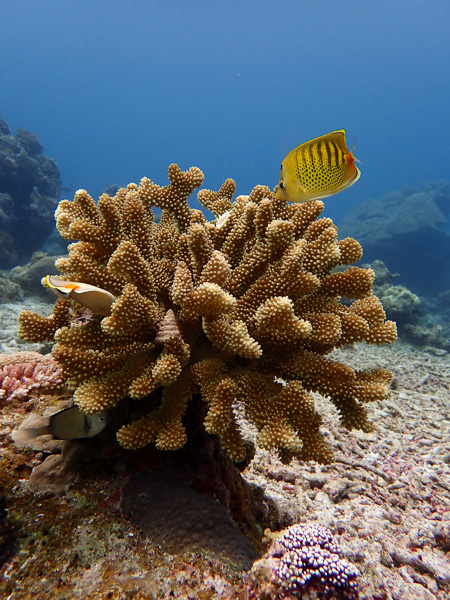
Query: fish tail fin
(352, 155)
(24, 436)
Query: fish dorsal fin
(56, 283)
(338, 137)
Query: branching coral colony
(244, 309)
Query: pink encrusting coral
(23, 373)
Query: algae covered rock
(29, 192)
(409, 230)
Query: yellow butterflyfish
(316, 169)
(96, 299)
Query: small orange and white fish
(316, 169)
(99, 301)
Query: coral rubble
(29, 192)
(242, 310)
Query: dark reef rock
(421, 321)
(399, 303)
(409, 230)
(29, 275)
(180, 519)
(29, 192)
(111, 189)
(7, 534)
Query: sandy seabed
(386, 499)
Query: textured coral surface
(304, 561)
(25, 373)
(242, 309)
(197, 523)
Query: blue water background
(118, 90)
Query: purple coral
(303, 562)
(310, 558)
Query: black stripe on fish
(335, 154)
(341, 155)
(328, 151)
(321, 148)
(312, 166)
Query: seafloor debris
(223, 308)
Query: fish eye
(101, 419)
